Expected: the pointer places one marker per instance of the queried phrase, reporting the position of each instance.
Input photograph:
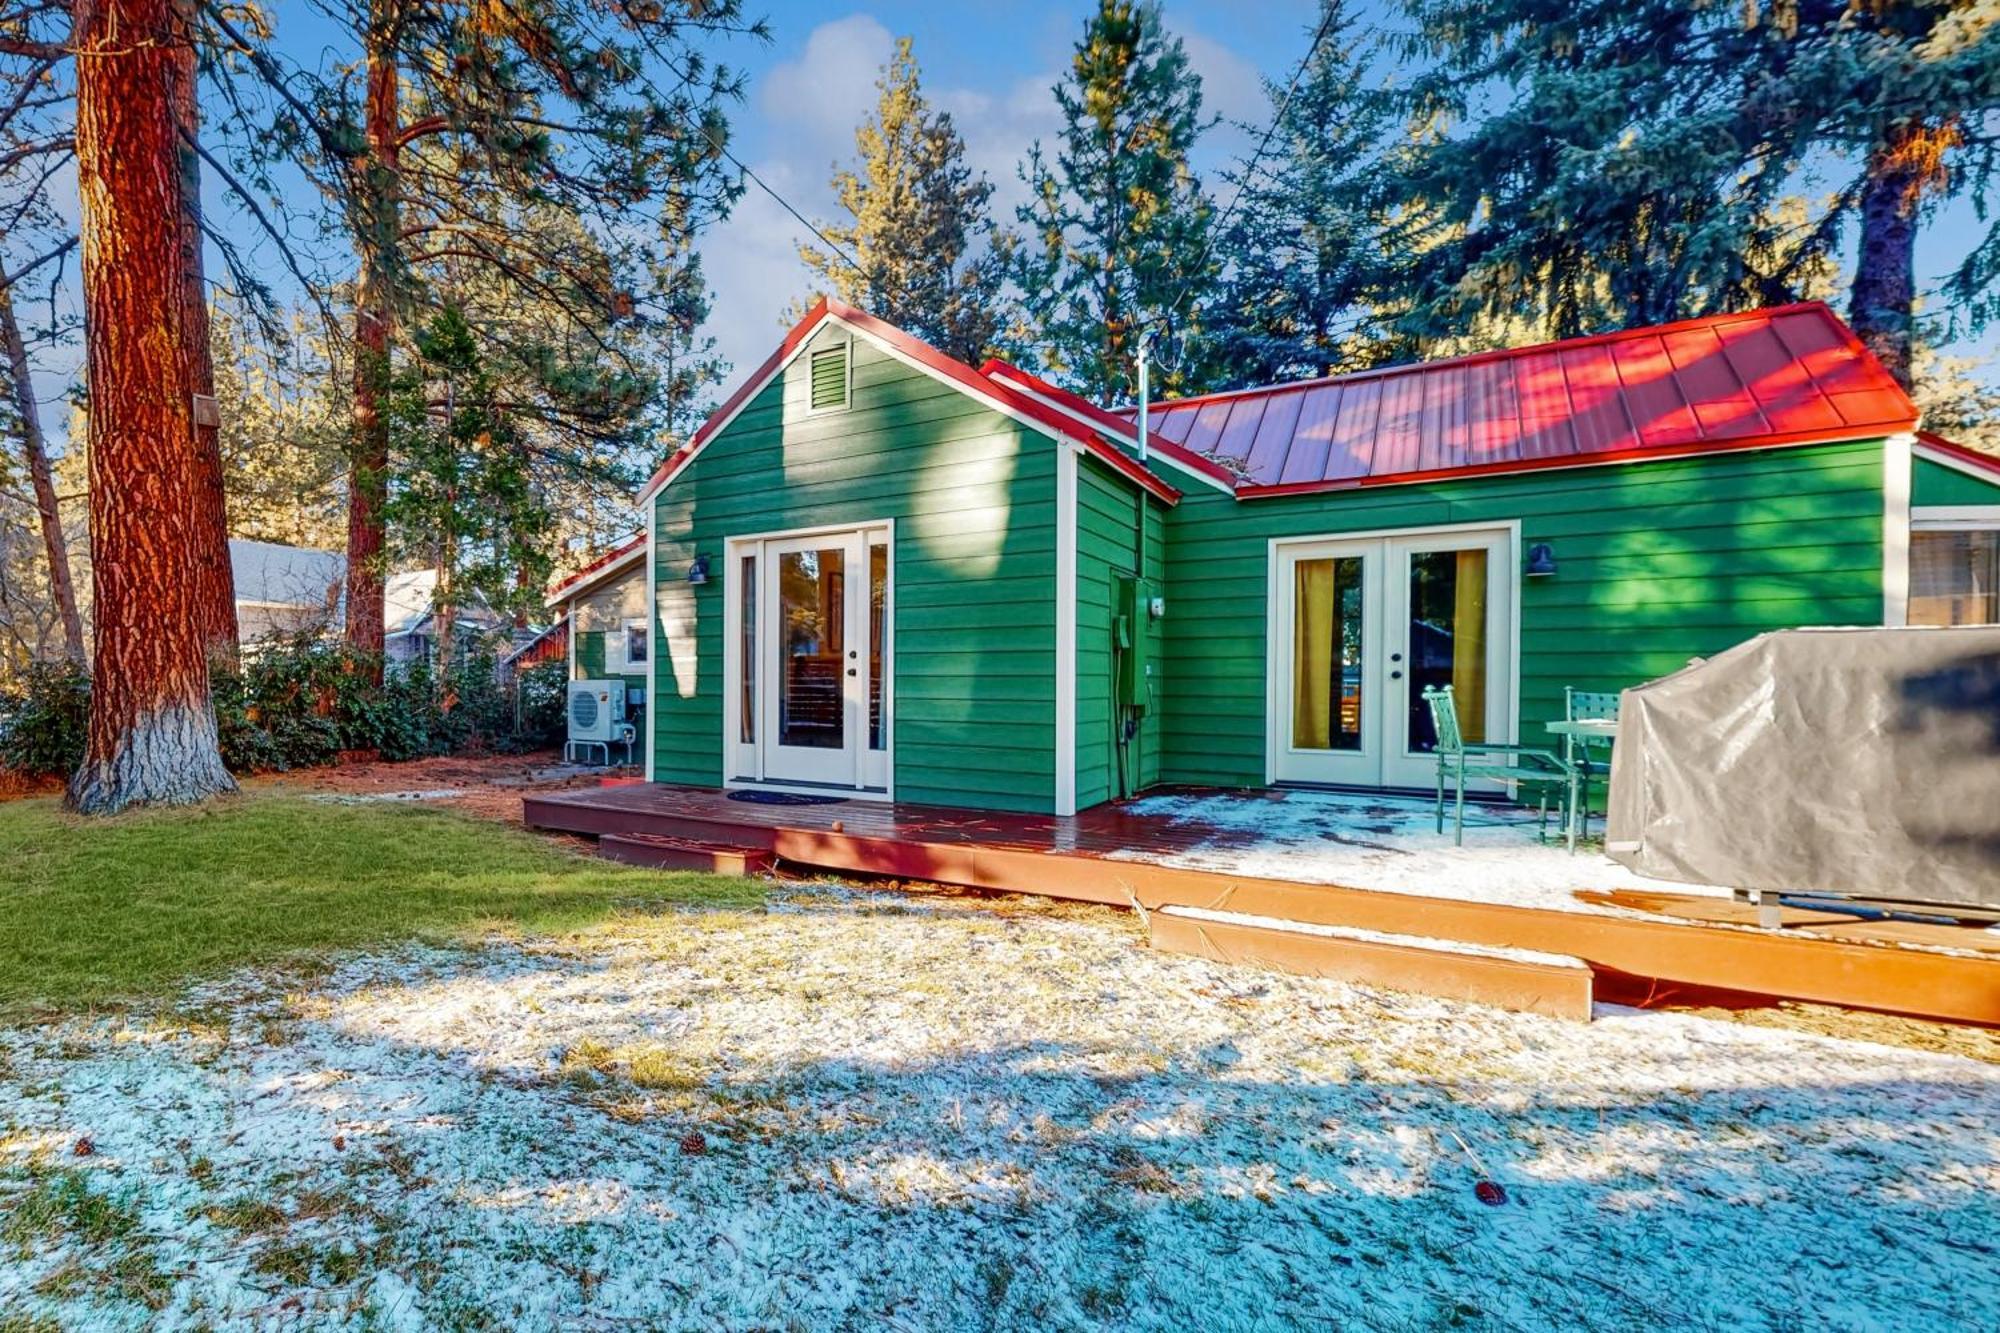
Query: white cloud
(820, 97)
(809, 106)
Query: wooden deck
(1073, 857)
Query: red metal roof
(574, 582)
(1788, 375)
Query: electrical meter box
(1136, 631)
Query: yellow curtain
(1468, 644)
(1315, 641)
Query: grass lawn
(98, 911)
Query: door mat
(784, 798)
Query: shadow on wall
(1948, 725)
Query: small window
(829, 378)
(1955, 577)
(634, 632)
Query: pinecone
(693, 1144)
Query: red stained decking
(1070, 858)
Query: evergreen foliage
(1117, 225)
(461, 493)
(1301, 248)
(1608, 163)
(918, 224)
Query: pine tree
(687, 363)
(918, 224)
(35, 243)
(152, 733)
(1617, 162)
(1301, 249)
(1117, 244)
(473, 119)
(461, 492)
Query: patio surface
(1360, 862)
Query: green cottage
(879, 572)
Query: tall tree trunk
(208, 560)
(40, 474)
(1882, 305)
(376, 238)
(152, 732)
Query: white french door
(806, 659)
(1360, 626)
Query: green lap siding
(1658, 562)
(1936, 484)
(972, 497)
(1107, 543)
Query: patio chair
(1540, 771)
(1589, 755)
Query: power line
(1328, 11)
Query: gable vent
(829, 378)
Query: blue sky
(992, 67)
(811, 85)
(816, 79)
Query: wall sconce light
(1541, 560)
(698, 571)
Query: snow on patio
(1391, 844)
(868, 1110)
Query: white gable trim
(712, 431)
(1990, 476)
(569, 592)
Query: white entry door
(1361, 626)
(808, 659)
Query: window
(629, 645)
(829, 378)
(1955, 576)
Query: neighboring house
(283, 591)
(880, 571)
(409, 621)
(602, 621)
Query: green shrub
(542, 717)
(42, 726)
(296, 704)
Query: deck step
(1518, 979)
(667, 853)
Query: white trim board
(1898, 471)
(1065, 681)
(1955, 518)
(758, 386)
(652, 632)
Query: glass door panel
(1449, 616)
(808, 660)
(1327, 653)
(878, 640)
(812, 624)
(1327, 683)
(1448, 641)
